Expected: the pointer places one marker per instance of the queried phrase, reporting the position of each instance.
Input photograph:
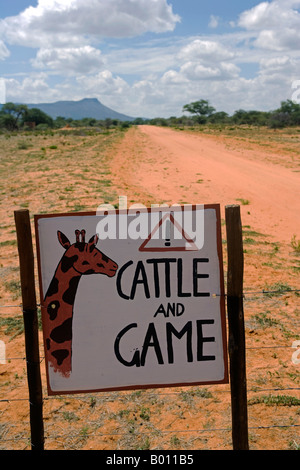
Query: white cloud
(32, 89)
(4, 52)
(203, 59)
(144, 60)
(269, 15)
(214, 21)
(205, 49)
(173, 77)
(196, 71)
(255, 18)
(275, 25)
(275, 63)
(85, 59)
(104, 84)
(70, 22)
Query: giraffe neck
(59, 302)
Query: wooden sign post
(24, 238)
(235, 314)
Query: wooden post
(236, 347)
(24, 238)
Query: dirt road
(163, 165)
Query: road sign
(168, 235)
(132, 299)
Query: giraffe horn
(77, 233)
(83, 236)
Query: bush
(279, 120)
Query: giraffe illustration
(80, 258)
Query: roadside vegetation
(201, 113)
(14, 117)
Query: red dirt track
(179, 167)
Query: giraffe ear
(63, 240)
(93, 242)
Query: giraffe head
(84, 257)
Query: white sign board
(132, 299)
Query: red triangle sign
(174, 237)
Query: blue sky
(150, 57)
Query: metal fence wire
(60, 436)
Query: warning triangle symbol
(168, 235)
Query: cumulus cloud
(205, 49)
(32, 87)
(222, 71)
(103, 84)
(65, 22)
(276, 24)
(268, 15)
(172, 77)
(204, 59)
(85, 59)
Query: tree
(292, 110)
(278, 120)
(252, 117)
(37, 116)
(201, 108)
(219, 118)
(88, 122)
(12, 114)
(7, 121)
(60, 121)
(239, 116)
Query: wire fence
(254, 392)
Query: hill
(86, 108)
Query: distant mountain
(86, 108)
